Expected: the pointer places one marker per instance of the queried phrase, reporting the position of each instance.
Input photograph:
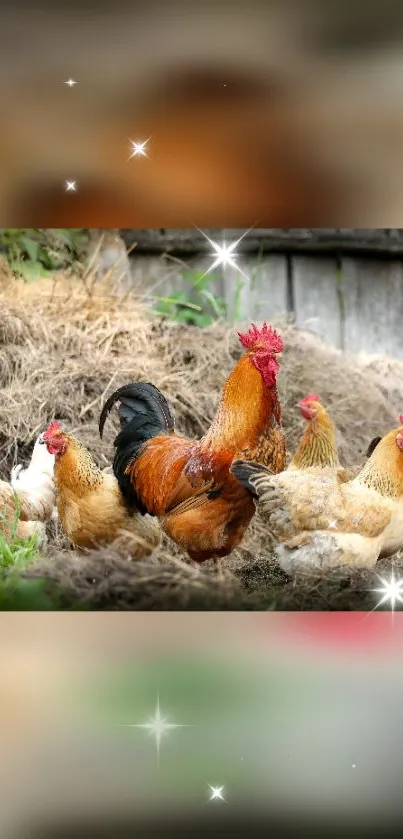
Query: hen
(372, 446)
(92, 510)
(34, 507)
(186, 483)
(41, 463)
(317, 448)
(319, 522)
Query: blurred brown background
(281, 113)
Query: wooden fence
(345, 286)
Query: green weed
(197, 306)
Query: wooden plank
(383, 242)
(150, 273)
(316, 300)
(262, 294)
(373, 302)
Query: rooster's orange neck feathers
(247, 406)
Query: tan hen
(320, 523)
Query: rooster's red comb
(266, 335)
(51, 429)
(312, 397)
(401, 419)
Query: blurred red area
(355, 633)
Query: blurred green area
(235, 715)
(190, 691)
(33, 253)
(223, 705)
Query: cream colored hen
(320, 523)
(317, 448)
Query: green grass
(16, 553)
(16, 593)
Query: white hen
(34, 507)
(41, 467)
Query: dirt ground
(65, 345)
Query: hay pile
(63, 349)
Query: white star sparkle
(216, 793)
(332, 524)
(392, 591)
(158, 726)
(70, 186)
(70, 82)
(224, 253)
(139, 148)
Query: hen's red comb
(54, 426)
(313, 397)
(401, 419)
(266, 335)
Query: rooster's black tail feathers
(139, 398)
(144, 413)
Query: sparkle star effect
(70, 186)
(224, 253)
(158, 726)
(139, 148)
(216, 793)
(70, 82)
(332, 524)
(392, 591)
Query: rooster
(319, 522)
(317, 448)
(186, 483)
(91, 508)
